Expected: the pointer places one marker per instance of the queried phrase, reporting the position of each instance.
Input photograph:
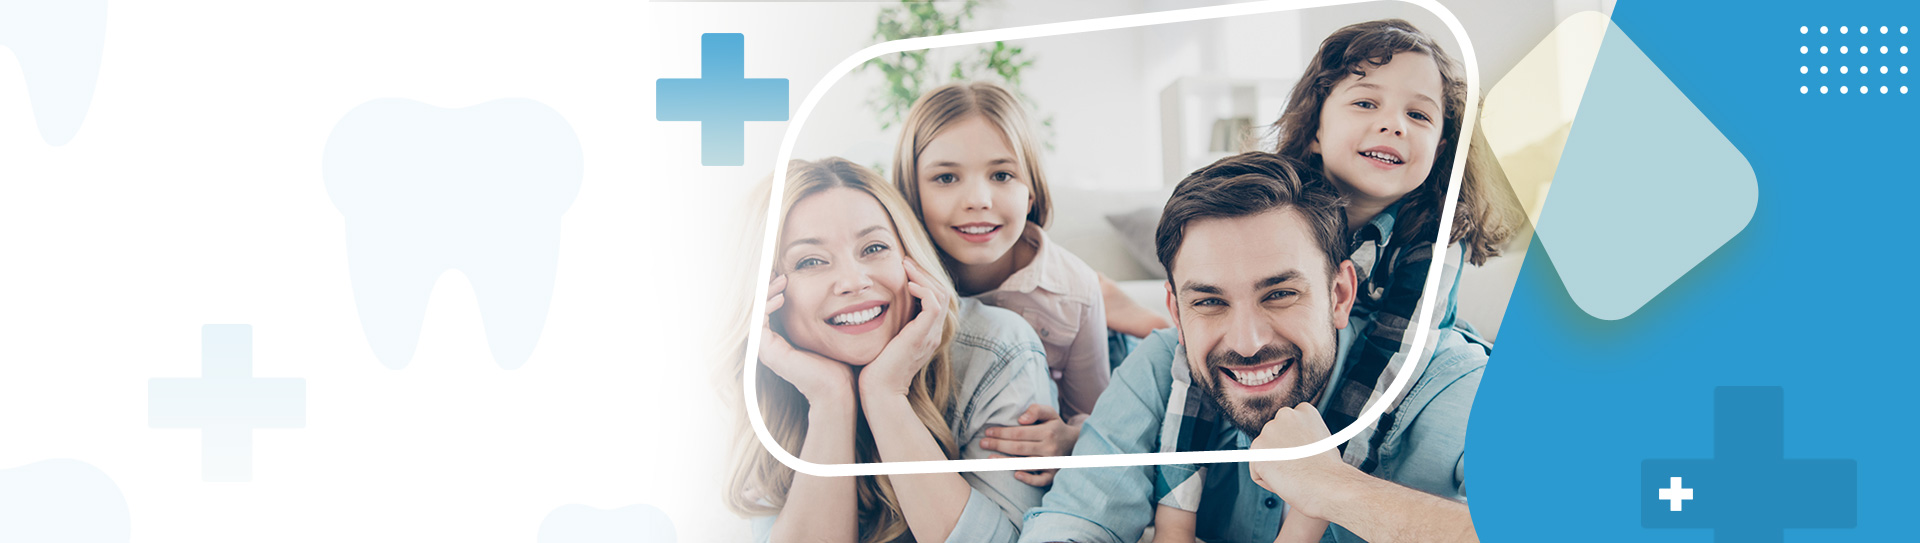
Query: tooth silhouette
(427, 189)
(630, 524)
(62, 500)
(58, 46)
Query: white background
(192, 195)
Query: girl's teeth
(857, 317)
(1383, 157)
(976, 229)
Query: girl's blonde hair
(1484, 219)
(955, 102)
(758, 483)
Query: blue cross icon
(1748, 491)
(722, 99)
(226, 403)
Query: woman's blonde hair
(955, 102)
(758, 483)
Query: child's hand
(1300, 528)
(1041, 433)
(1174, 525)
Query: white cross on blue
(722, 99)
(1749, 491)
(226, 403)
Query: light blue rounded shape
(479, 189)
(630, 524)
(1645, 189)
(58, 45)
(62, 501)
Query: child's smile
(1384, 157)
(1379, 132)
(973, 196)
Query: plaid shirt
(1393, 276)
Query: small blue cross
(1748, 491)
(226, 403)
(722, 99)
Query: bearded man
(1260, 290)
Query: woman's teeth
(1383, 157)
(1257, 378)
(976, 230)
(856, 317)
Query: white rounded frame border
(1371, 413)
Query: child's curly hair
(1484, 219)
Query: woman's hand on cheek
(819, 379)
(894, 369)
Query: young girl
(1378, 114)
(970, 169)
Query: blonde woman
(868, 356)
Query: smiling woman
(859, 363)
(846, 281)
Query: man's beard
(1310, 377)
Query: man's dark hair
(1249, 184)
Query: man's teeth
(58, 46)
(857, 317)
(1383, 157)
(976, 229)
(1254, 379)
(425, 190)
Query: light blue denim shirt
(1424, 449)
(1001, 368)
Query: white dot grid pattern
(1864, 49)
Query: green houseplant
(907, 74)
